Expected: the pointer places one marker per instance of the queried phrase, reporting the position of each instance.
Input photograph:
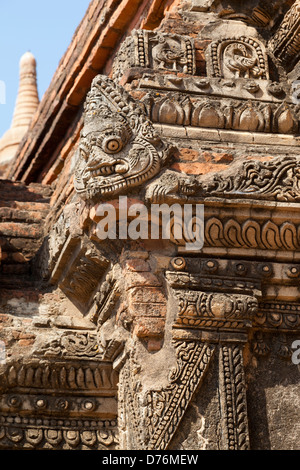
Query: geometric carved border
(162, 421)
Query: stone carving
(171, 187)
(71, 345)
(278, 180)
(237, 58)
(280, 315)
(285, 44)
(149, 420)
(233, 398)
(172, 53)
(214, 310)
(84, 275)
(48, 433)
(119, 148)
(264, 343)
(105, 299)
(60, 376)
(158, 51)
(191, 280)
(252, 234)
(251, 116)
(165, 408)
(274, 180)
(129, 409)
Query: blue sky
(43, 27)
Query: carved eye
(112, 144)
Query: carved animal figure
(168, 54)
(239, 61)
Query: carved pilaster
(217, 302)
(232, 389)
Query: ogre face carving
(119, 148)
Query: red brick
(149, 310)
(149, 327)
(188, 154)
(141, 279)
(137, 265)
(196, 168)
(26, 342)
(146, 294)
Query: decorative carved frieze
(214, 310)
(68, 389)
(48, 433)
(265, 344)
(271, 315)
(277, 179)
(61, 376)
(252, 234)
(251, 116)
(237, 88)
(273, 180)
(72, 345)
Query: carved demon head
(119, 148)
